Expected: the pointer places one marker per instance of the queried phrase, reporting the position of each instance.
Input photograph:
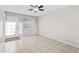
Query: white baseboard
(54, 38)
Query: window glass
(10, 28)
(11, 25)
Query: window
(10, 28)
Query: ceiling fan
(36, 8)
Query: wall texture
(61, 25)
(2, 17)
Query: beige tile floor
(36, 44)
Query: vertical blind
(12, 26)
(19, 25)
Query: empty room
(39, 29)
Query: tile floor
(36, 44)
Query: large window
(16, 25)
(11, 24)
(10, 28)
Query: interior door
(29, 26)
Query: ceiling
(23, 9)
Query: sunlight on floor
(36, 44)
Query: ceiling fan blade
(30, 9)
(41, 9)
(31, 5)
(40, 6)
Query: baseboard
(59, 40)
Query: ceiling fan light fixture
(36, 8)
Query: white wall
(61, 25)
(1, 21)
(2, 15)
